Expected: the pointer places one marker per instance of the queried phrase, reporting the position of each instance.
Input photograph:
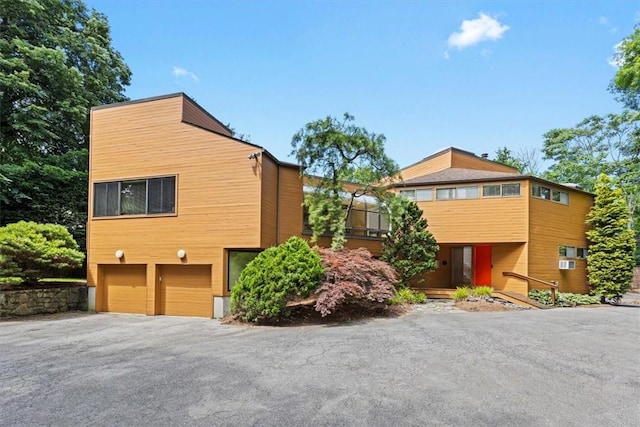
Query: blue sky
(477, 75)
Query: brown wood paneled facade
(230, 195)
(524, 231)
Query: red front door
(482, 265)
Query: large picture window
(135, 197)
(238, 260)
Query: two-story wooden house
(489, 219)
(178, 206)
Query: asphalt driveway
(564, 367)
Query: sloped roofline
(458, 150)
(184, 95)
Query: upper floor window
(419, 195)
(547, 193)
(470, 192)
(501, 190)
(135, 197)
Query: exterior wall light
(181, 253)
(119, 253)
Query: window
(366, 216)
(491, 191)
(504, 190)
(510, 190)
(424, 195)
(582, 253)
(470, 192)
(238, 260)
(567, 251)
(541, 192)
(548, 194)
(135, 197)
(560, 197)
(408, 194)
(421, 195)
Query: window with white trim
(451, 193)
(501, 190)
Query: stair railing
(552, 285)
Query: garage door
(185, 290)
(124, 288)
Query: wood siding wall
(482, 220)
(551, 225)
(290, 198)
(218, 191)
(467, 161)
(425, 167)
(504, 257)
(269, 202)
(452, 158)
(193, 114)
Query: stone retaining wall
(42, 301)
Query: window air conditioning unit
(565, 264)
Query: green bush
(276, 276)
(461, 294)
(563, 299)
(407, 296)
(482, 291)
(31, 251)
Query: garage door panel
(124, 288)
(185, 290)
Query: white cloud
(446, 55)
(603, 20)
(474, 31)
(615, 60)
(183, 72)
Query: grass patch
(408, 296)
(563, 299)
(10, 281)
(461, 294)
(482, 291)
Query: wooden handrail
(553, 285)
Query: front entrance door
(482, 265)
(461, 265)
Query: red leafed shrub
(353, 277)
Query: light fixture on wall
(119, 253)
(181, 253)
(254, 155)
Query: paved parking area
(562, 367)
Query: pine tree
(410, 248)
(610, 260)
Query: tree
(626, 83)
(32, 251)
(56, 62)
(611, 243)
(352, 277)
(526, 160)
(46, 193)
(276, 276)
(331, 153)
(410, 248)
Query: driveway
(564, 367)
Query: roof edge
(140, 101)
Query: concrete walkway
(562, 367)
